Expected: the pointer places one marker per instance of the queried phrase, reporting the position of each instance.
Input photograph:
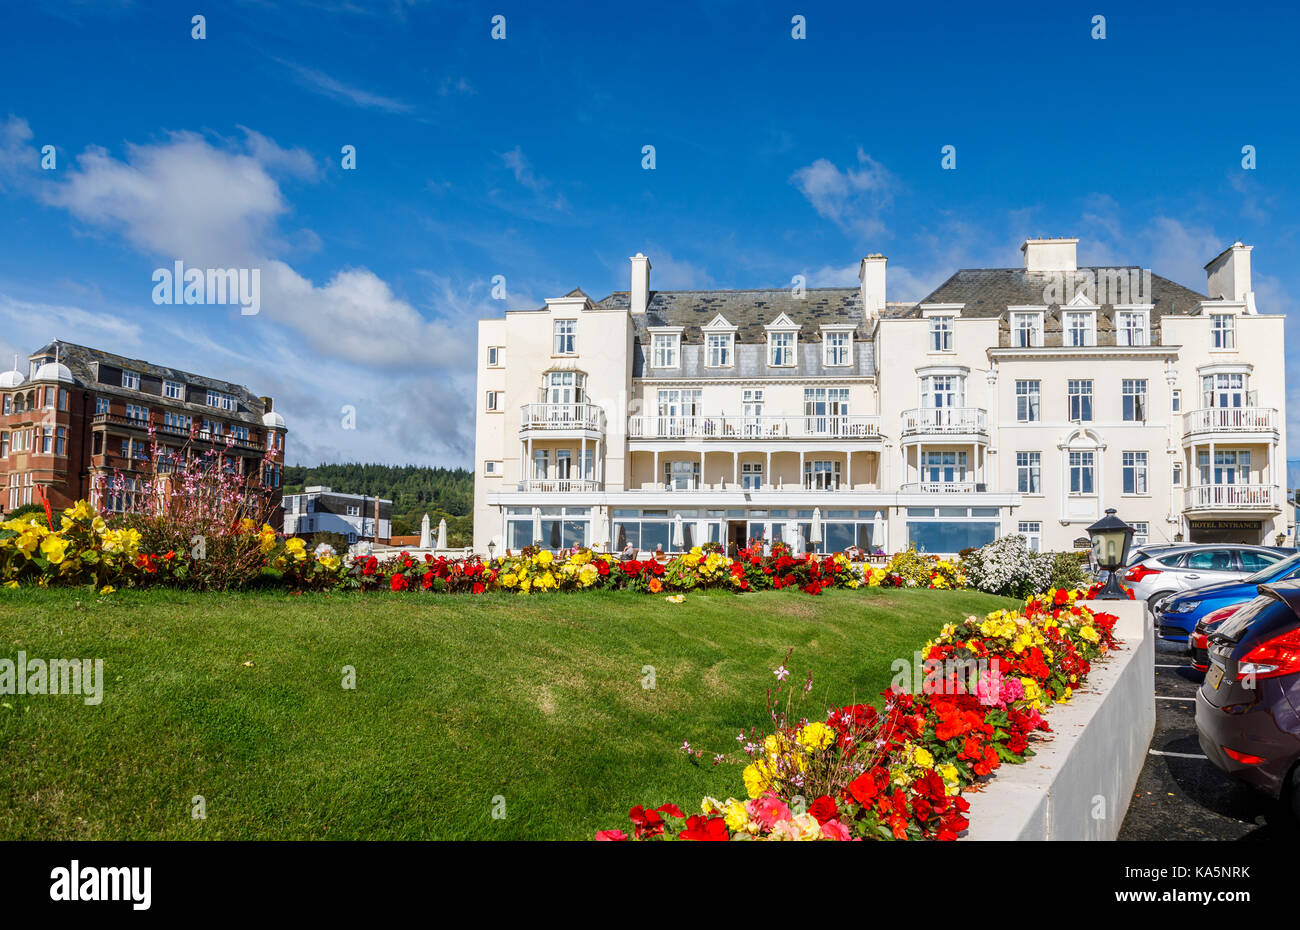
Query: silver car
(1170, 571)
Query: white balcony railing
(940, 487)
(1233, 497)
(1230, 420)
(941, 421)
(828, 426)
(562, 417)
(560, 485)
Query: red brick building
(78, 413)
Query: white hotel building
(1010, 400)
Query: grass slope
(457, 701)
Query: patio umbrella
(678, 532)
(442, 533)
(878, 532)
(701, 533)
(426, 538)
(815, 531)
(537, 526)
(599, 531)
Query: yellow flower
(756, 780)
(543, 558)
(295, 547)
(11, 584)
(736, 816)
(676, 598)
(53, 548)
(921, 756)
(1089, 634)
(107, 589)
(816, 736)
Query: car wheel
(1155, 600)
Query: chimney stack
(640, 283)
(1229, 275)
(871, 272)
(1050, 254)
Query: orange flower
(655, 586)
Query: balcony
(561, 417)
(1230, 420)
(945, 421)
(1234, 497)
(757, 428)
(942, 487)
(559, 485)
(165, 433)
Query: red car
(1200, 638)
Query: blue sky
(522, 157)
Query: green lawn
(457, 701)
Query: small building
(319, 509)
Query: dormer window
(174, 389)
(721, 349)
(1131, 328)
(1079, 328)
(780, 350)
(837, 348)
(665, 350)
(220, 400)
(1026, 329)
(131, 379)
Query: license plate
(1215, 676)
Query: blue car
(1177, 616)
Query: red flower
(602, 568)
(611, 836)
(647, 823)
(399, 583)
(670, 809)
(699, 827)
(824, 809)
(479, 587)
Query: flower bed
(899, 774)
(140, 551)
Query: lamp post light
(1110, 541)
(492, 551)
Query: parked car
(1167, 573)
(1247, 717)
(1178, 614)
(1151, 550)
(1199, 641)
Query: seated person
(628, 554)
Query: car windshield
(1277, 569)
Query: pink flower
(834, 830)
(611, 836)
(768, 810)
(1012, 690)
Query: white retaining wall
(1078, 785)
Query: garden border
(1079, 783)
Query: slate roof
(748, 311)
(84, 362)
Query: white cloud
(852, 199)
(18, 156)
(329, 86)
(522, 169)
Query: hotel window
(821, 476)
(836, 349)
(1135, 472)
(1028, 401)
(1083, 473)
(1231, 466)
(176, 421)
(47, 397)
(780, 350)
(4, 445)
(354, 510)
(941, 333)
(1080, 400)
(101, 405)
(496, 356)
(494, 400)
(664, 348)
(8, 405)
(1029, 472)
(174, 389)
(1177, 476)
(1141, 533)
(240, 433)
(221, 401)
(137, 413)
(1176, 400)
(564, 387)
(131, 379)
(751, 476)
(682, 475)
(212, 427)
(1033, 533)
(1026, 330)
(1131, 328)
(1223, 390)
(566, 337)
(491, 468)
(61, 441)
(63, 399)
(943, 467)
(719, 349)
(563, 464)
(1079, 328)
(1134, 399)
(825, 409)
(753, 412)
(541, 463)
(1224, 328)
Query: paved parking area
(1180, 795)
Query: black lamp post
(1110, 541)
(492, 551)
